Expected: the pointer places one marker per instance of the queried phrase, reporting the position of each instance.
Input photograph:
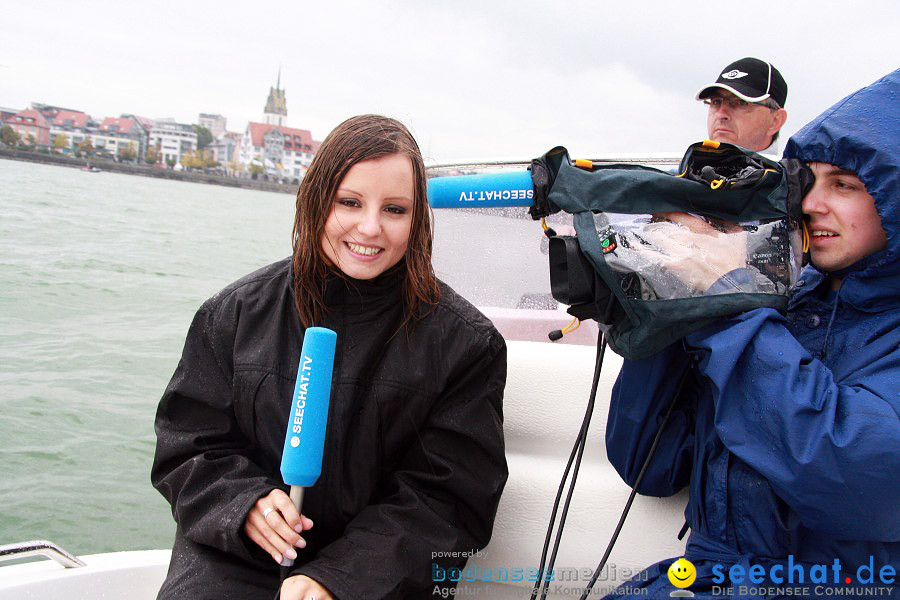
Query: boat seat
(547, 390)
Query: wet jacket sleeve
(829, 448)
(640, 398)
(442, 496)
(201, 464)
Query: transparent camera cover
(681, 255)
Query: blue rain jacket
(787, 430)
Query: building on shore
(70, 131)
(31, 126)
(69, 128)
(226, 150)
(281, 151)
(121, 137)
(275, 112)
(272, 146)
(144, 122)
(172, 140)
(214, 123)
(6, 113)
(225, 147)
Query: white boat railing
(661, 159)
(40, 548)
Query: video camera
(658, 255)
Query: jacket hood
(860, 134)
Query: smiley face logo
(682, 573)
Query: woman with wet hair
(413, 465)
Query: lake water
(100, 275)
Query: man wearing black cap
(746, 105)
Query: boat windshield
(497, 257)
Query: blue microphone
(304, 439)
(490, 190)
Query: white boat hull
(135, 575)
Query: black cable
(601, 351)
(574, 456)
(637, 484)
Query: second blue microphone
(481, 191)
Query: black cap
(750, 79)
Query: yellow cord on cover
(569, 329)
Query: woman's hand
(301, 587)
(275, 526)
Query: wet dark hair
(361, 138)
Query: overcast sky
(471, 78)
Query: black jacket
(414, 459)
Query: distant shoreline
(147, 171)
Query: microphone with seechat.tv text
(304, 439)
(491, 190)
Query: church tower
(276, 105)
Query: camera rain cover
(678, 251)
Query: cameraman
(786, 431)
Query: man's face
(750, 126)
(844, 226)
